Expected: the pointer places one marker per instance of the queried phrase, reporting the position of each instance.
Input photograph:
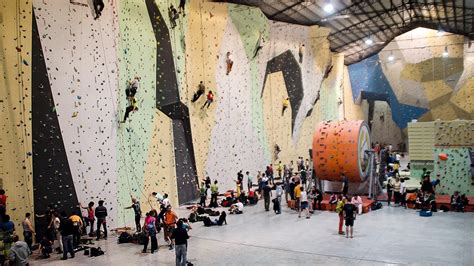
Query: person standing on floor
(67, 230)
(101, 214)
(28, 230)
(341, 201)
(297, 194)
(200, 91)
(279, 194)
(210, 99)
(267, 193)
(98, 7)
(304, 203)
(3, 202)
(357, 202)
(403, 193)
(214, 194)
(202, 193)
(249, 181)
(77, 225)
(90, 216)
(138, 212)
(389, 190)
(180, 236)
(150, 230)
(19, 252)
(349, 216)
(396, 190)
(170, 224)
(54, 227)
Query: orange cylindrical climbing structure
(339, 147)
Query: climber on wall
(301, 52)
(182, 3)
(259, 45)
(173, 16)
(133, 86)
(132, 107)
(210, 99)
(286, 103)
(201, 90)
(98, 7)
(229, 63)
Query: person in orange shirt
(170, 224)
(210, 99)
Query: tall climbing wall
(15, 106)
(74, 106)
(420, 83)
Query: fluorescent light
(328, 8)
(391, 57)
(369, 41)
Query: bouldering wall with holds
(420, 82)
(430, 142)
(455, 172)
(15, 108)
(75, 106)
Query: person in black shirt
(66, 228)
(101, 214)
(138, 212)
(180, 236)
(267, 193)
(349, 216)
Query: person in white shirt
(303, 202)
(357, 201)
(398, 157)
(236, 208)
(403, 192)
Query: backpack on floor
(192, 217)
(96, 252)
(125, 238)
(376, 206)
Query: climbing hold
(443, 156)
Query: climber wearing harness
(132, 106)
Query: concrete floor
(391, 235)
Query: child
(46, 247)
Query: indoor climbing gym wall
(456, 140)
(247, 107)
(445, 148)
(15, 103)
(419, 82)
(74, 106)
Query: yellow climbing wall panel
(15, 104)
(458, 133)
(206, 22)
(160, 169)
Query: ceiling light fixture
(328, 8)
(445, 53)
(369, 41)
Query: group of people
(12, 249)
(200, 91)
(175, 230)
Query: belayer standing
(137, 210)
